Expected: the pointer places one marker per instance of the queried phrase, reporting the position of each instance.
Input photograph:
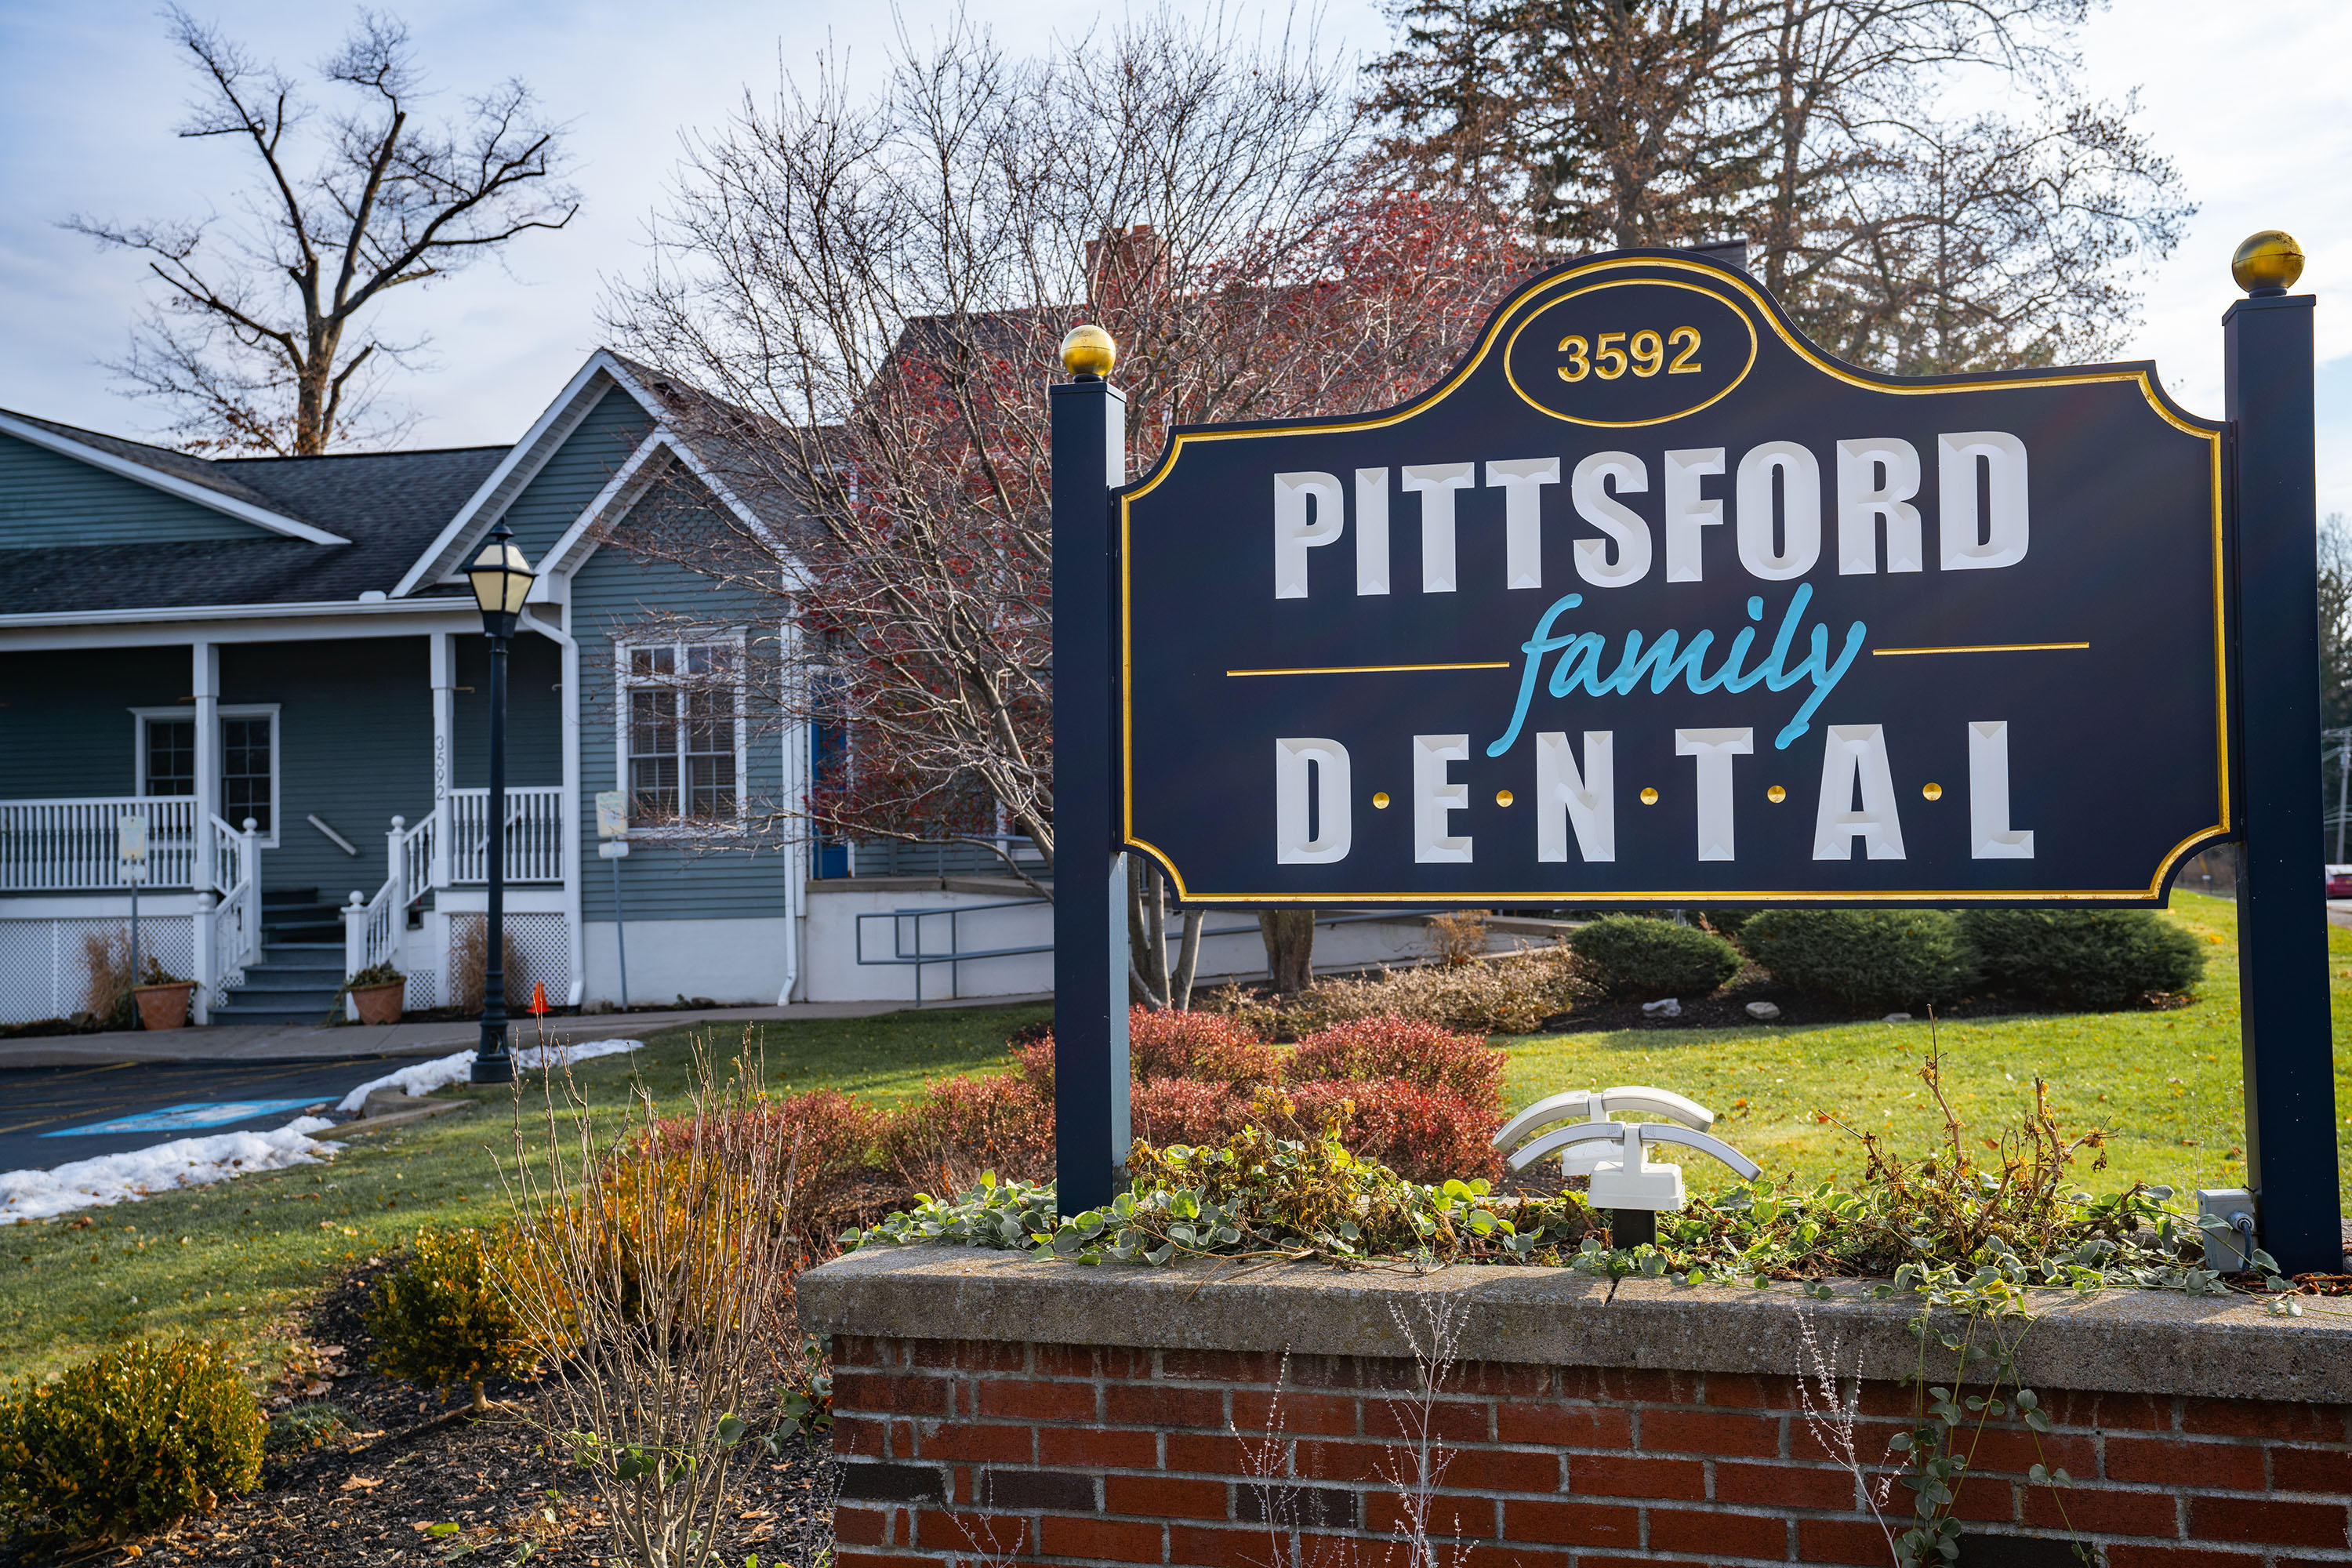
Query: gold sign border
(1714, 280)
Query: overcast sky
(2256, 110)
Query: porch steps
(301, 966)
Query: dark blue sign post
(1090, 963)
(2288, 1041)
(1651, 602)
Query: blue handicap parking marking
(185, 1118)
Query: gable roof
(389, 503)
(198, 479)
(706, 456)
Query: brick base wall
(996, 1451)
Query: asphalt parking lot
(50, 1116)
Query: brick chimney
(1123, 264)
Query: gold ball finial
(2271, 259)
(1089, 354)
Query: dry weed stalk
(1266, 1460)
(469, 951)
(1458, 937)
(1831, 1404)
(658, 1255)
(1435, 1341)
(107, 955)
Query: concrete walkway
(304, 1042)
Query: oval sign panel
(1637, 352)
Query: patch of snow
(112, 1179)
(423, 1077)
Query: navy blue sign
(1652, 601)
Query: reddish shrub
(1168, 1110)
(1426, 1100)
(826, 1135)
(1409, 1048)
(964, 1125)
(1208, 1047)
(1427, 1134)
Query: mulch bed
(409, 1461)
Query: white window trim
(222, 712)
(623, 685)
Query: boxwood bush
(129, 1440)
(2096, 960)
(1870, 960)
(444, 1319)
(1639, 958)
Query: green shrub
(1873, 960)
(131, 1440)
(1639, 958)
(442, 1319)
(299, 1428)
(1727, 922)
(2082, 958)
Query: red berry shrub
(1170, 1110)
(1423, 1101)
(1413, 1050)
(1208, 1047)
(1423, 1133)
(827, 1135)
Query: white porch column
(204, 675)
(445, 747)
(571, 823)
(207, 959)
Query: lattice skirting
(423, 990)
(44, 972)
(542, 952)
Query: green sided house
(278, 664)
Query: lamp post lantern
(501, 579)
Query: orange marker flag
(538, 997)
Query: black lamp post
(501, 578)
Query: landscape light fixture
(501, 580)
(1634, 1189)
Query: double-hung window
(682, 737)
(246, 756)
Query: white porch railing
(534, 853)
(228, 933)
(534, 835)
(64, 845)
(69, 846)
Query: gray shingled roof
(389, 505)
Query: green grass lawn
(2165, 1085)
(235, 1260)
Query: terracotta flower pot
(163, 1007)
(379, 1003)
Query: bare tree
(868, 295)
(2334, 622)
(257, 343)
(658, 1255)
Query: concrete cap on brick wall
(2124, 1340)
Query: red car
(2340, 881)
